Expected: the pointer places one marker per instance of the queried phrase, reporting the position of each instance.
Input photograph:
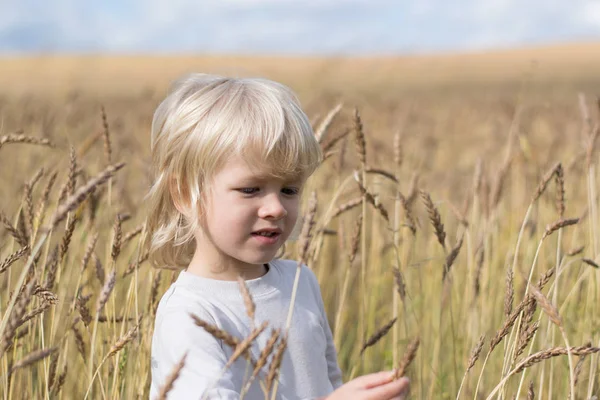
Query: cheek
(292, 210)
(230, 218)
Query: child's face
(249, 215)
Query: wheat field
(455, 230)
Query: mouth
(268, 233)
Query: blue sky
(291, 26)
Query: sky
(291, 27)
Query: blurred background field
(476, 131)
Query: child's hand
(377, 386)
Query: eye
(290, 191)
(249, 190)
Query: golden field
(481, 178)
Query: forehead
(237, 168)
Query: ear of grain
(243, 348)
(407, 359)
(19, 137)
(355, 240)
(216, 332)
(117, 237)
(475, 353)
(135, 265)
(408, 215)
(107, 289)
(554, 352)
(509, 322)
(15, 318)
(99, 268)
(307, 227)
(509, 294)
(360, 142)
(43, 201)
(66, 239)
(132, 234)
(591, 263)
(11, 259)
(541, 188)
(60, 381)
(276, 363)
(382, 172)
(14, 232)
(154, 293)
(123, 340)
(171, 378)
(371, 198)
(562, 223)
(376, 337)
(34, 313)
(560, 191)
(88, 251)
(321, 131)
(349, 205)
(33, 357)
(79, 342)
(451, 258)
(106, 137)
(247, 297)
(28, 210)
(83, 309)
(262, 359)
(530, 391)
(72, 178)
(579, 365)
(81, 194)
(575, 251)
(435, 218)
(400, 285)
(549, 308)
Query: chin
(259, 259)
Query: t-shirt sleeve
(333, 369)
(177, 334)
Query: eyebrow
(265, 178)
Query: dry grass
(502, 155)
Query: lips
(268, 236)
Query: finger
(394, 390)
(374, 380)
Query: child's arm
(204, 364)
(335, 374)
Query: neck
(223, 269)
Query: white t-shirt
(309, 368)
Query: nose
(272, 208)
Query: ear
(179, 194)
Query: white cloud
(590, 13)
(292, 25)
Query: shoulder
(288, 269)
(179, 308)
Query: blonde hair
(204, 120)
